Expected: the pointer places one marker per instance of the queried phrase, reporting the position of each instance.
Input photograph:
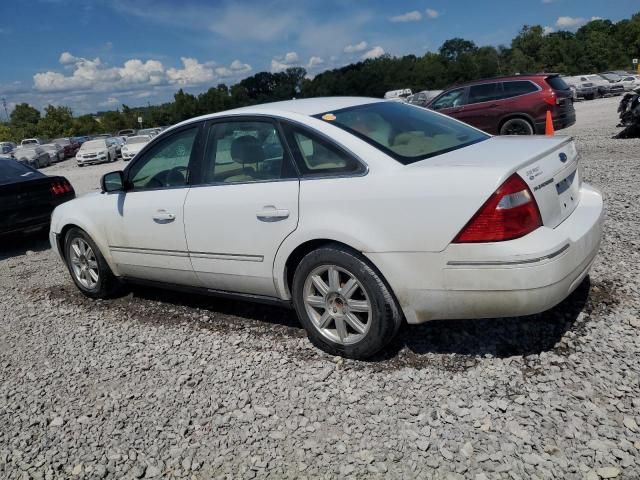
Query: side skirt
(210, 292)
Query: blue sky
(96, 55)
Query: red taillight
(511, 212)
(550, 97)
(61, 187)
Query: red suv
(515, 105)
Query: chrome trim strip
(477, 263)
(183, 253)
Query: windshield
(140, 139)
(93, 144)
(611, 76)
(29, 142)
(405, 132)
(12, 171)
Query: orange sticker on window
(329, 117)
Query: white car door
(146, 229)
(244, 207)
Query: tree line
(597, 46)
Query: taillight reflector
(61, 187)
(511, 212)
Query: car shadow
(498, 337)
(20, 243)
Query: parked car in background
(490, 226)
(7, 147)
(127, 132)
(152, 132)
(118, 142)
(515, 105)
(96, 151)
(55, 151)
(27, 197)
(70, 147)
(631, 82)
(31, 141)
(134, 145)
(423, 98)
(79, 140)
(32, 155)
(398, 95)
(616, 87)
(586, 90)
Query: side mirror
(112, 182)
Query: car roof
(286, 108)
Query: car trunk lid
(548, 165)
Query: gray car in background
(583, 89)
(32, 155)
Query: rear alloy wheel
(343, 303)
(516, 126)
(89, 270)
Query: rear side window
(518, 87)
(318, 157)
(484, 92)
(557, 83)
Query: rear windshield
(557, 83)
(405, 132)
(12, 172)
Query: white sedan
(360, 213)
(99, 150)
(134, 145)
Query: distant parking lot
(158, 384)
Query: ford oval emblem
(563, 157)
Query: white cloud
(431, 13)
(193, 72)
(413, 16)
(67, 59)
(375, 52)
(571, 23)
(94, 75)
(547, 30)
(314, 62)
(358, 47)
(281, 63)
(109, 102)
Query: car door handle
(272, 214)
(162, 216)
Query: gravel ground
(155, 384)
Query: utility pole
(4, 104)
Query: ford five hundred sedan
(360, 213)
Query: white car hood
(135, 147)
(85, 151)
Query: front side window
(485, 92)
(245, 151)
(166, 164)
(318, 157)
(405, 132)
(518, 87)
(452, 99)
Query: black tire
(107, 284)
(517, 126)
(385, 316)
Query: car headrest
(246, 149)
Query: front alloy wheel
(89, 270)
(84, 265)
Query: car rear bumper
(519, 277)
(561, 120)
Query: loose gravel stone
(157, 384)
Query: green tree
(57, 122)
(24, 115)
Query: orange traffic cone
(548, 128)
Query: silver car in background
(32, 155)
(55, 151)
